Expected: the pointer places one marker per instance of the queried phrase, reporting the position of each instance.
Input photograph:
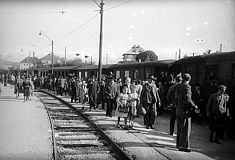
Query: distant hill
(7, 63)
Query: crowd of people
(130, 99)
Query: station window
(80, 74)
(127, 74)
(117, 74)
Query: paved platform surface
(25, 132)
(157, 144)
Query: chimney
(220, 47)
(179, 53)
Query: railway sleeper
(60, 117)
(74, 129)
(82, 137)
(91, 156)
(83, 150)
(79, 143)
(75, 133)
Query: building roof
(48, 58)
(143, 64)
(134, 50)
(30, 60)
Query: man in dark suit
(184, 106)
(148, 99)
(171, 99)
(110, 95)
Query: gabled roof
(134, 50)
(30, 60)
(48, 58)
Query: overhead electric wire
(43, 48)
(96, 3)
(53, 24)
(80, 26)
(118, 5)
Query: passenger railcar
(90, 71)
(209, 71)
(140, 70)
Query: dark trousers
(149, 117)
(183, 132)
(110, 106)
(218, 124)
(92, 102)
(73, 95)
(172, 120)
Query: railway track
(75, 136)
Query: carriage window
(127, 73)
(233, 74)
(147, 73)
(212, 72)
(86, 74)
(211, 77)
(117, 74)
(136, 74)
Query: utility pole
(65, 55)
(101, 39)
(52, 57)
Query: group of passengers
(25, 85)
(129, 99)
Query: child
(122, 108)
(133, 98)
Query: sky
(162, 26)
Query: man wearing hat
(184, 106)
(149, 98)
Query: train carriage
(209, 70)
(89, 71)
(140, 70)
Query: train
(207, 71)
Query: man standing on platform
(171, 99)
(148, 99)
(110, 95)
(218, 112)
(184, 106)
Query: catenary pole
(101, 40)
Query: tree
(74, 62)
(146, 56)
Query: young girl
(122, 108)
(133, 98)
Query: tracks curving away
(75, 137)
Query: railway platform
(157, 144)
(25, 132)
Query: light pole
(101, 39)
(52, 52)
